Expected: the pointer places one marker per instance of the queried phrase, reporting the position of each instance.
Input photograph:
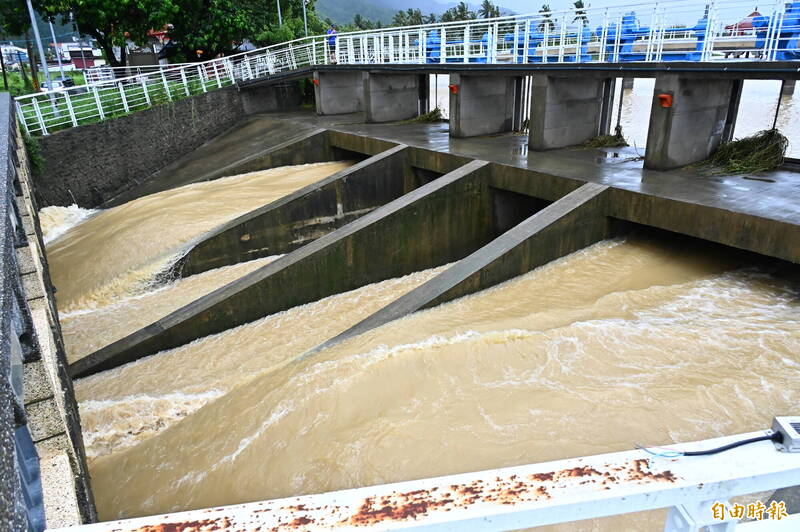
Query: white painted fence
(672, 30)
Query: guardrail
(696, 489)
(673, 30)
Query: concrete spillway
(391, 214)
(372, 262)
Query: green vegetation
(607, 141)
(761, 152)
(432, 116)
(34, 154)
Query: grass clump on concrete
(761, 152)
(608, 141)
(433, 116)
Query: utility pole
(280, 18)
(39, 45)
(3, 66)
(305, 19)
(58, 52)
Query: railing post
(185, 83)
(143, 81)
(493, 35)
(601, 56)
(22, 119)
(216, 74)
(423, 51)
(442, 45)
(166, 85)
(99, 103)
(229, 67)
(618, 39)
(562, 36)
(70, 109)
(124, 98)
(526, 42)
(466, 43)
(546, 42)
(200, 76)
(39, 116)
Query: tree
(14, 19)
(547, 19)
(409, 17)
(580, 14)
(430, 19)
(112, 22)
(488, 10)
(459, 12)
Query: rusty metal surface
(504, 499)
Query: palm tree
(580, 13)
(488, 10)
(547, 18)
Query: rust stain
(205, 525)
(508, 491)
(411, 505)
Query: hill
(342, 12)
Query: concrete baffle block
(566, 111)
(390, 97)
(481, 104)
(338, 92)
(687, 120)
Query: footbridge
(550, 72)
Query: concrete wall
(339, 92)
(569, 224)
(31, 328)
(481, 105)
(390, 97)
(305, 215)
(437, 223)
(693, 127)
(90, 164)
(565, 111)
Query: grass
(18, 87)
(761, 152)
(34, 154)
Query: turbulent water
(638, 341)
(657, 339)
(117, 252)
(55, 221)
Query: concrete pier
(338, 92)
(687, 120)
(390, 97)
(571, 223)
(481, 105)
(566, 111)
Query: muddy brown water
(648, 339)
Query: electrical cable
(775, 436)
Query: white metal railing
(696, 489)
(672, 30)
